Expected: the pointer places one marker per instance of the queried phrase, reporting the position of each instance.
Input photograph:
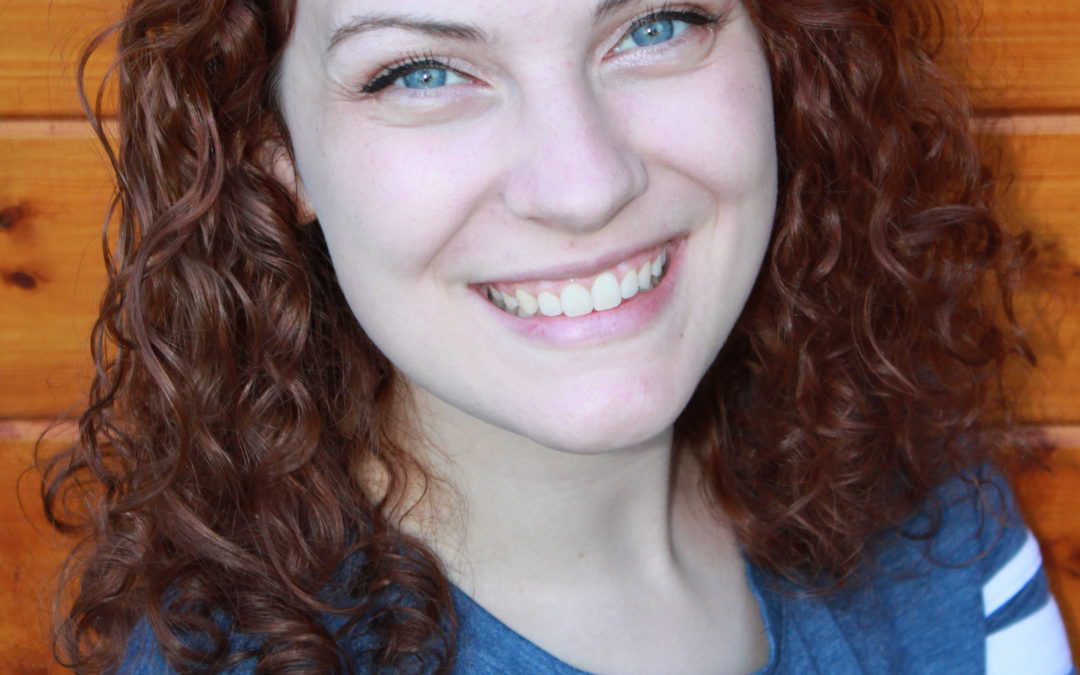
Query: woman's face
(604, 169)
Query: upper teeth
(607, 291)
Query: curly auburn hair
(213, 480)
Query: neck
(609, 561)
(516, 512)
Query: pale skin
(538, 144)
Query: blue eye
(415, 74)
(426, 78)
(663, 26)
(654, 32)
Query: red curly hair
(213, 482)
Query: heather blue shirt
(971, 599)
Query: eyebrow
(367, 23)
(608, 6)
(454, 31)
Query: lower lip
(628, 319)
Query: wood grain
(53, 194)
(40, 43)
(31, 551)
(1042, 161)
(1050, 393)
(1043, 166)
(55, 187)
(1051, 501)
(1024, 54)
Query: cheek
(393, 198)
(714, 125)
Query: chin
(605, 424)
(573, 441)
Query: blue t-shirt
(971, 599)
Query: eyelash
(390, 73)
(693, 17)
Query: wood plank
(40, 42)
(1050, 393)
(1043, 157)
(30, 554)
(1043, 161)
(1050, 501)
(54, 188)
(53, 193)
(30, 551)
(1024, 53)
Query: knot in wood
(10, 216)
(22, 280)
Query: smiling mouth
(577, 297)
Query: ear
(277, 159)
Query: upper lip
(583, 268)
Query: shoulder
(1022, 625)
(144, 656)
(962, 583)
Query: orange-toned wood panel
(53, 194)
(1050, 393)
(1043, 156)
(32, 553)
(54, 188)
(1025, 53)
(40, 43)
(1051, 501)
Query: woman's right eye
(418, 74)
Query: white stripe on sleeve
(1011, 579)
(1034, 645)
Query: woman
(617, 336)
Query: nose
(571, 169)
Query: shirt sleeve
(1025, 633)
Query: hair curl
(213, 480)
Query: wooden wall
(53, 190)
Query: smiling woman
(532, 187)
(504, 337)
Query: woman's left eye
(429, 78)
(652, 33)
(415, 74)
(658, 28)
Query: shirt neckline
(477, 619)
